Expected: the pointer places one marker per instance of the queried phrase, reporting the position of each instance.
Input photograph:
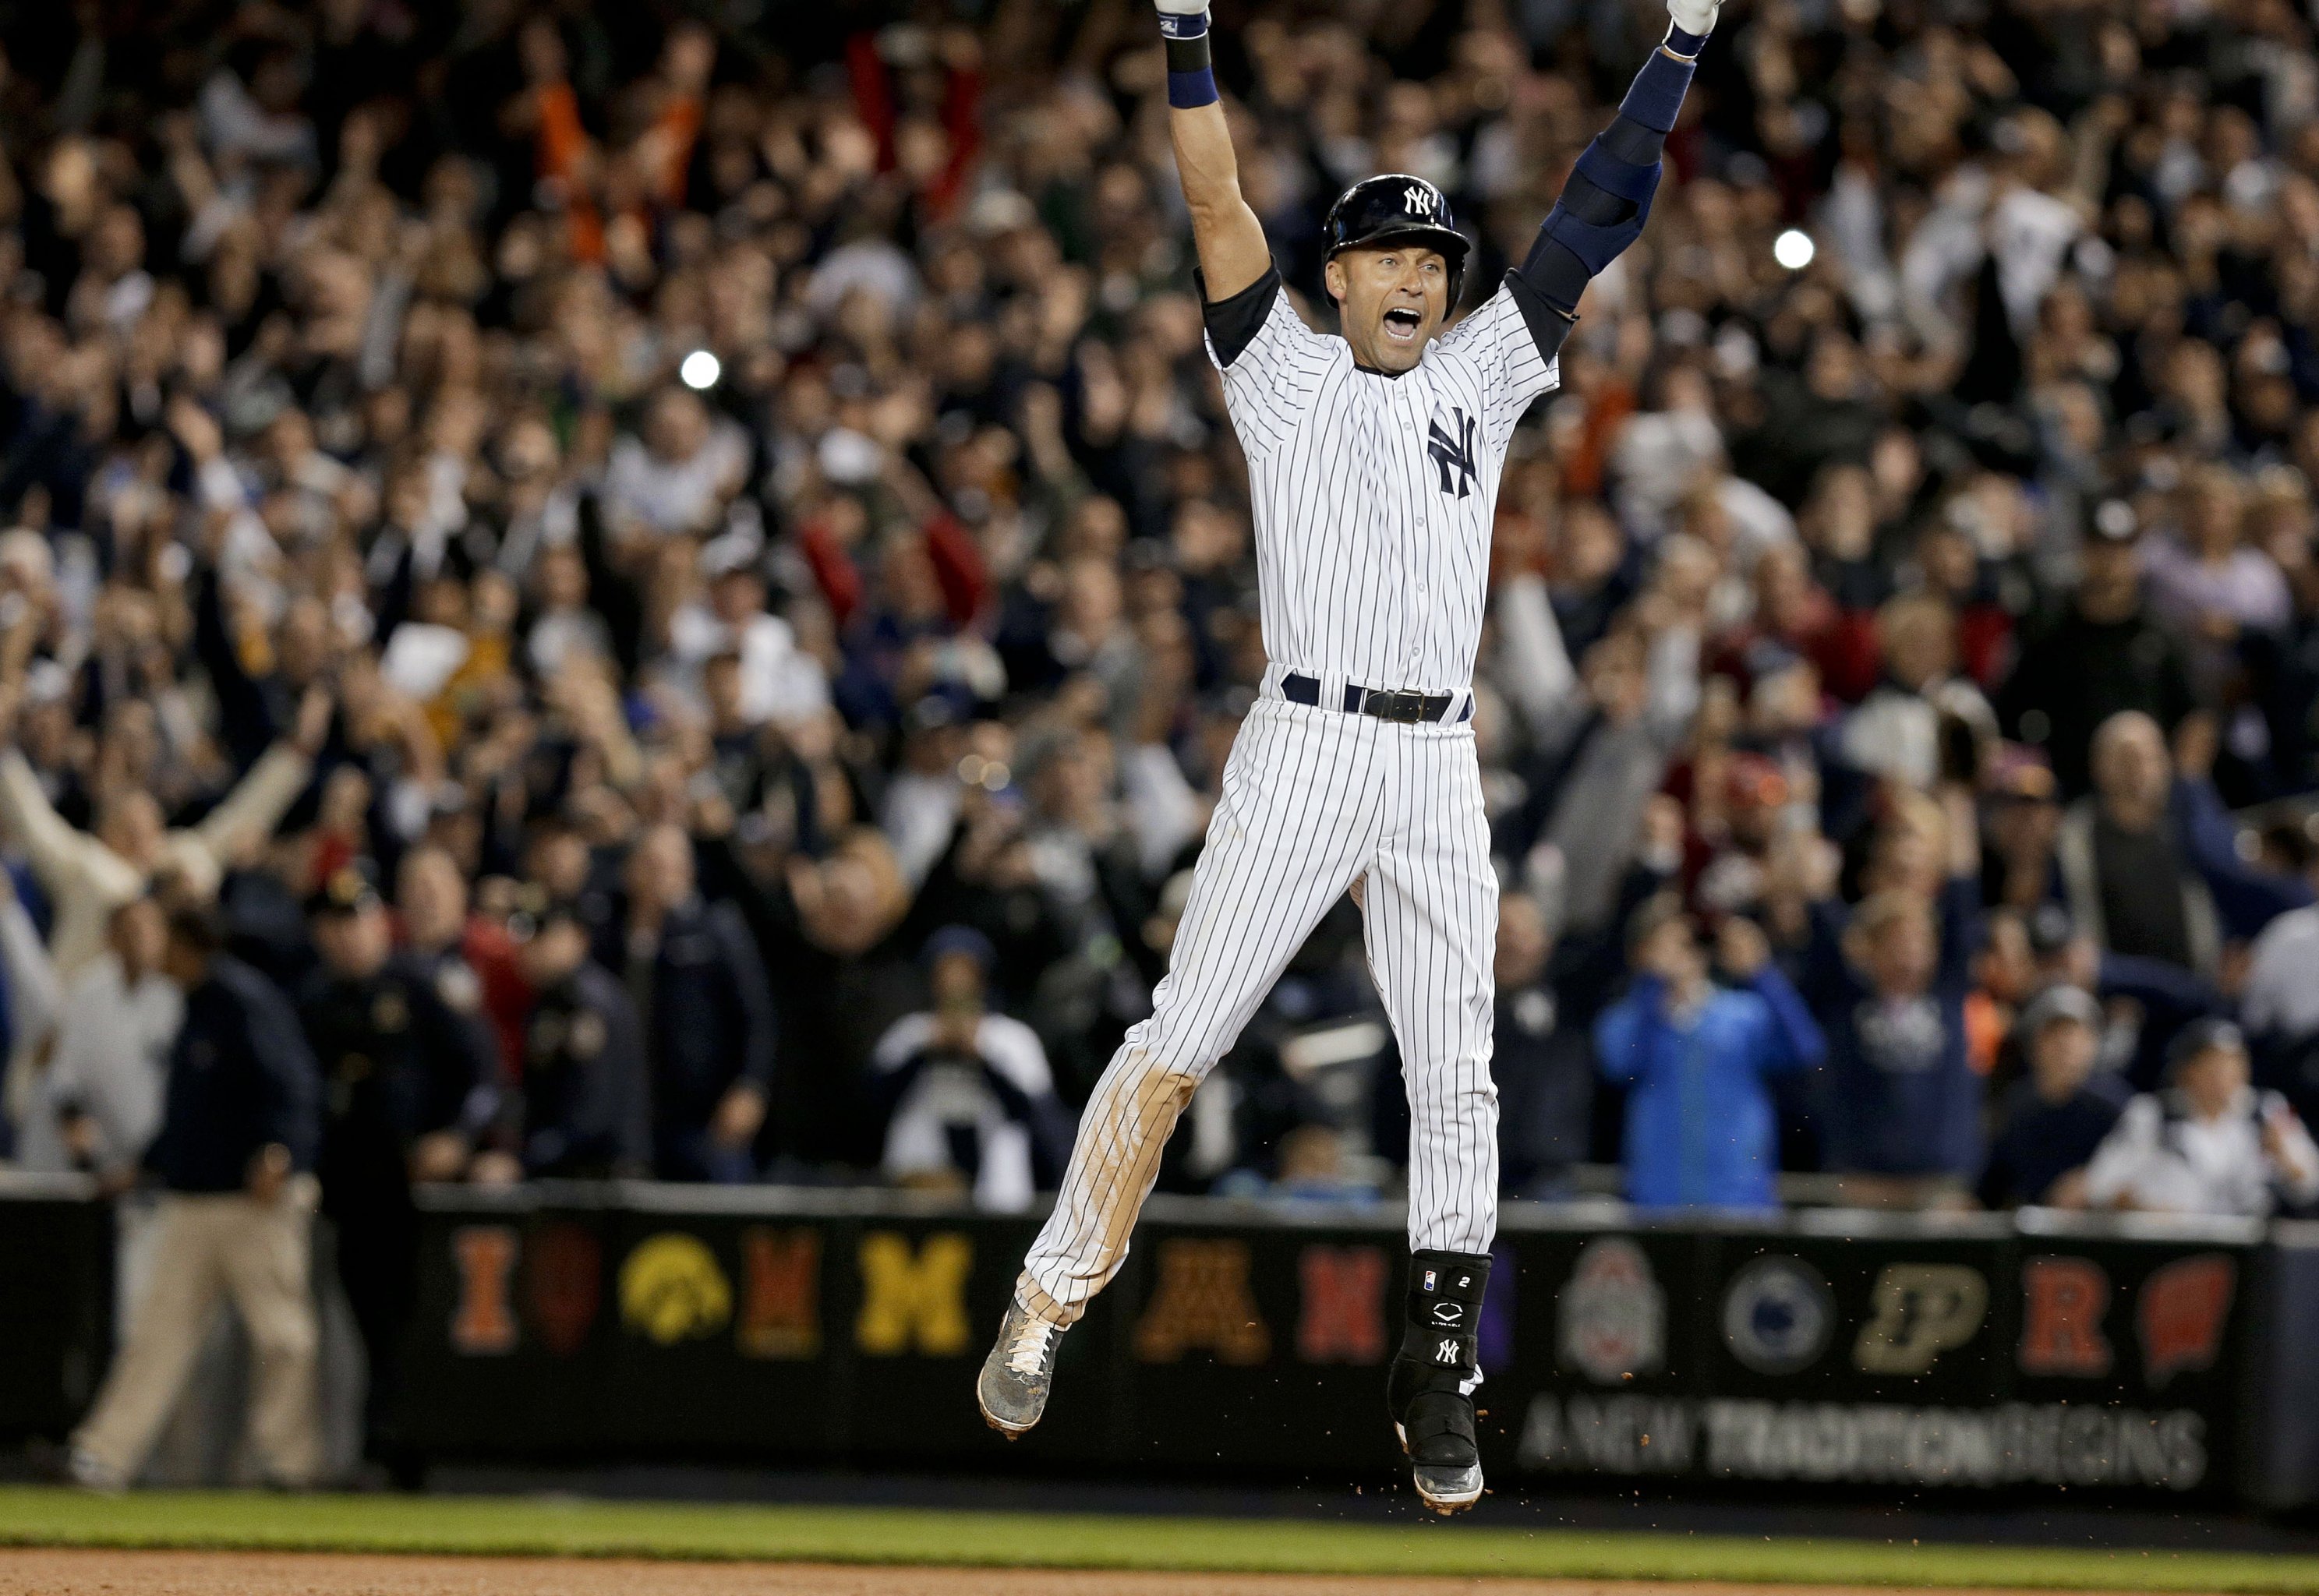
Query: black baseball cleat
(1434, 1417)
(1012, 1390)
(1429, 1390)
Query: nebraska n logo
(1454, 454)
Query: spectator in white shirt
(98, 1101)
(677, 477)
(2210, 1143)
(2280, 999)
(973, 1100)
(33, 997)
(780, 681)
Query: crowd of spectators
(674, 583)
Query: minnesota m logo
(1202, 1301)
(909, 1296)
(1454, 454)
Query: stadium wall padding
(1822, 1351)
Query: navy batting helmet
(1396, 205)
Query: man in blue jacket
(1890, 981)
(241, 1126)
(1694, 1056)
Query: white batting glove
(1695, 17)
(1183, 19)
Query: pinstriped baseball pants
(1313, 800)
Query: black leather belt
(1405, 705)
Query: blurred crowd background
(663, 590)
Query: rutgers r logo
(2063, 1302)
(1419, 198)
(1453, 453)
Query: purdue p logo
(1921, 1311)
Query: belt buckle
(1404, 707)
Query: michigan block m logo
(1454, 454)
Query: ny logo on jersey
(1418, 198)
(1446, 1352)
(1454, 454)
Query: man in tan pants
(235, 1157)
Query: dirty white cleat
(1447, 1488)
(1012, 1390)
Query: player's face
(1392, 297)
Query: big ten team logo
(2181, 1311)
(1917, 1313)
(1778, 1315)
(482, 1319)
(672, 1289)
(1202, 1303)
(914, 1299)
(2063, 1300)
(1344, 1317)
(563, 1285)
(1611, 1313)
(781, 1294)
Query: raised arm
(1607, 198)
(1230, 240)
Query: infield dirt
(300, 1573)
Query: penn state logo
(1778, 1315)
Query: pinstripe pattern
(1372, 569)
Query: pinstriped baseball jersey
(1372, 495)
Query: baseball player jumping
(1373, 465)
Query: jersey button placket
(1417, 540)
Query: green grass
(564, 1527)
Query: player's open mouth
(1401, 323)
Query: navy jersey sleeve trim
(1548, 326)
(1233, 323)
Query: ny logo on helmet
(1419, 198)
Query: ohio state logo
(1613, 1314)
